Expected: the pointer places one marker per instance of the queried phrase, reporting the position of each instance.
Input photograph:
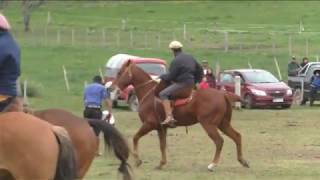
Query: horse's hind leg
(144, 129)
(213, 133)
(236, 137)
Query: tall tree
(27, 7)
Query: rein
(139, 86)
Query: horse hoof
(212, 166)
(244, 163)
(138, 163)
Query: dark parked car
(303, 80)
(259, 88)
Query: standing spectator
(305, 61)
(9, 65)
(293, 67)
(204, 83)
(315, 86)
(211, 79)
(94, 95)
(205, 66)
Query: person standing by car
(9, 65)
(315, 86)
(293, 67)
(211, 79)
(94, 96)
(304, 62)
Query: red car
(153, 66)
(259, 88)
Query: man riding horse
(184, 73)
(9, 64)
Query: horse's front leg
(162, 134)
(144, 129)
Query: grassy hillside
(257, 32)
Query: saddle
(182, 101)
(182, 97)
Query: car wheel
(133, 103)
(248, 102)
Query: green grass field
(280, 144)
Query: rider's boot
(168, 110)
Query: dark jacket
(315, 81)
(293, 68)
(9, 64)
(182, 69)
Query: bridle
(139, 86)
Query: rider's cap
(175, 45)
(4, 24)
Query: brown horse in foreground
(85, 141)
(210, 107)
(32, 149)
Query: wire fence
(224, 40)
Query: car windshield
(260, 77)
(150, 68)
(153, 68)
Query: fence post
(25, 97)
(49, 18)
(302, 90)
(217, 69)
(58, 37)
(238, 90)
(273, 47)
(159, 40)
(278, 69)
(226, 41)
(72, 37)
(87, 37)
(146, 40)
(118, 39)
(66, 78)
(103, 37)
(123, 21)
(46, 35)
(307, 47)
(290, 46)
(131, 39)
(184, 31)
(249, 64)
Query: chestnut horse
(33, 149)
(85, 141)
(210, 107)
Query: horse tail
(228, 114)
(66, 164)
(116, 143)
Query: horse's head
(124, 76)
